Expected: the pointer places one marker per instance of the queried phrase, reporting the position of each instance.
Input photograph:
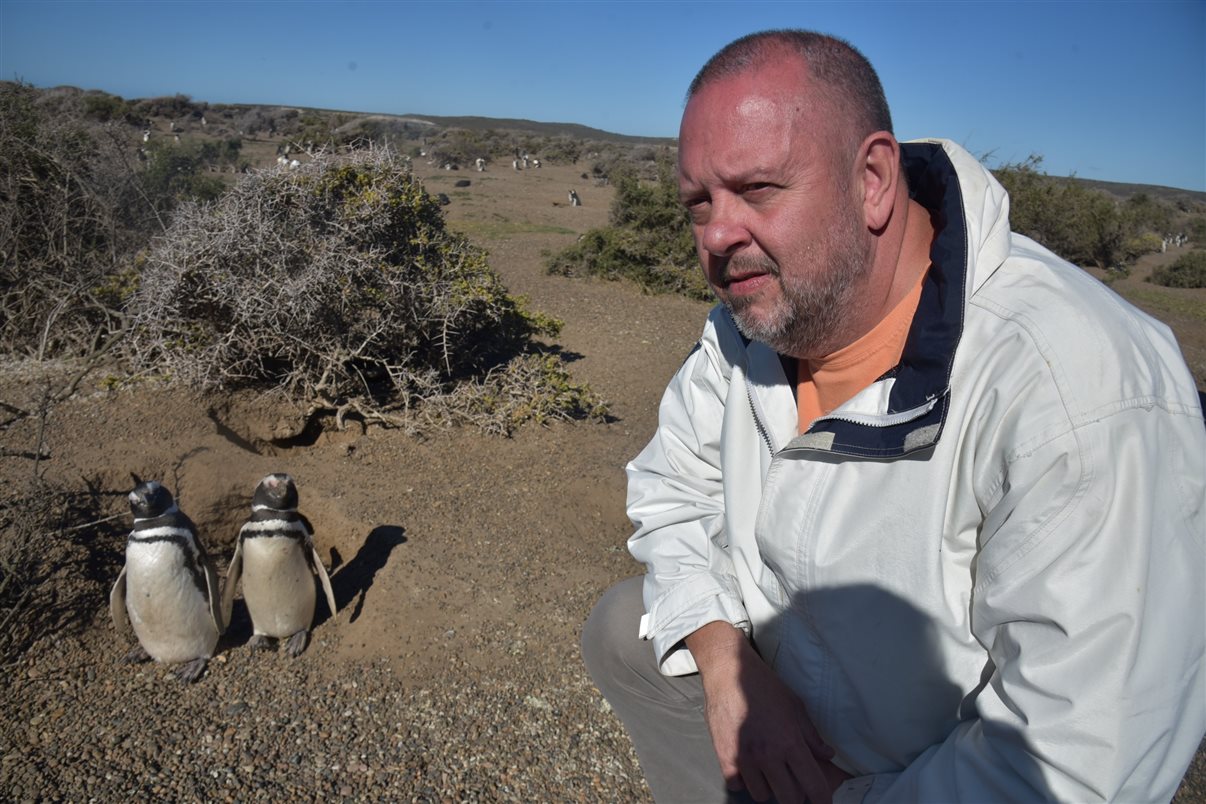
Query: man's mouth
(743, 276)
(737, 277)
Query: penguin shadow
(351, 581)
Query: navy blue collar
(924, 373)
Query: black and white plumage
(167, 591)
(276, 561)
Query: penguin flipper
(233, 573)
(117, 605)
(321, 572)
(212, 594)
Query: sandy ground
(460, 559)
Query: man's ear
(879, 166)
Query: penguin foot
(260, 642)
(191, 671)
(136, 655)
(297, 643)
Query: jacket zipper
(758, 420)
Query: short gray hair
(845, 76)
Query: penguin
(276, 560)
(167, 591)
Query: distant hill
(535, 127)
(1120, 190)
(166, 108)
(474, 123)
(1124, 191)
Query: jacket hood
(931, 165)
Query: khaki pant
(663, 714)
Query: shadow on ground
(351, 581)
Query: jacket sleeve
(1089, 599)
(675, 502)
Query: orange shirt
(826, 382)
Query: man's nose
(724, 234)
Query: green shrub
(1188, 271)
(1083, 225)
(1136, 246)
(174, 173)
(648, 240)
(174, 106)
(338, 283)
(1149, 215)
(1197, 230)
(561, 150)
(104, 107)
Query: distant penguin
(276, 560)
(167, 590)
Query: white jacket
(984, 574)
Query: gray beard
(811, 309)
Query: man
(923, 518)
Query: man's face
(779, 233)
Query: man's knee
(662, 714)
(610, 643)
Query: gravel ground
(263, 727)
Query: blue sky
(1105, 90)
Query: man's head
(843, 75)
(790, 172)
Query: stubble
(803, 318)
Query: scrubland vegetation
(647, 241)
(649, 238)
(338, 284)
(1090, 227)
(1188, 271)
(335, 284)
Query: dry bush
(76, 205)
(338, 284)
(61, 236)
(531, 387)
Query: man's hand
(762, 734)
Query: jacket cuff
(685, 609)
